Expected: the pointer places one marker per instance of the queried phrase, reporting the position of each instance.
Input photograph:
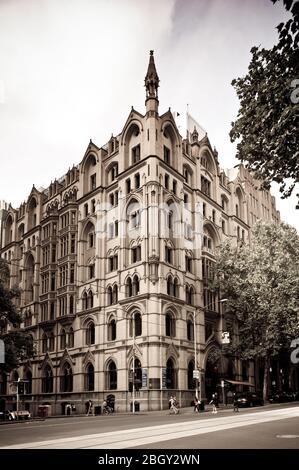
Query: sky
(70, 71)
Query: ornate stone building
(113, 260)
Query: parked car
(283, 397)
(14, 415)
(247, 399)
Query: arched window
(8, 229)
(115, 294)
(176, 288)
(28, 383)
(44, 343)
(169, 286)
(129, 287)
(133, 214)
(188, 174)
(239, 205)
(136, 329)
(189, 295)
(112, 330)
(113, 173)
(169, 324)
(109, 295)
(32, 211)
(90, 299)
(90, 333)
(111, 376)
(51, 342)
(187, 291)
(71, 338)
(170, 374)
(191, 381)
(190, 330)
(47, 380)
(135, 285)
(62, 339)
(84, 301)
(89, 173)
(89, 378)
(66, 379)
(224, 203)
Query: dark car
(282, 397)
(247, 399)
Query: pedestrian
(89, 408)
(172, 406)
(214, 402)
(196, 404)
(236, 403)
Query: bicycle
(107, 410)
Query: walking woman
(214, 402)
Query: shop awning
(236, 382)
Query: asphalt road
(275, 426)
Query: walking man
(196, 404)
(89, 408)
(214, 403)
(236, 403)
(172, 406)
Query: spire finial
(151, 80)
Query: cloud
(71, 71)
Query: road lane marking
(135, 437)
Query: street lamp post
(133, 367)
(195, 358)
(19, 380)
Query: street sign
(196, 374)
(225, 337)
(144, 378)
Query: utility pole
(195, 358)
(18, 397)
(133, 368)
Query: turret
(151, 82)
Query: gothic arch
(131, 126)
(9, 236)
(210, 165)
(211, 229)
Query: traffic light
(21, 388)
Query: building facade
(113, 260)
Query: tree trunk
(266, 378)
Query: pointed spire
(151, 80)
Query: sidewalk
(182, 411)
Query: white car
(14, 415)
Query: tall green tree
(267, 124)
(261, 283)
(19, 345)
